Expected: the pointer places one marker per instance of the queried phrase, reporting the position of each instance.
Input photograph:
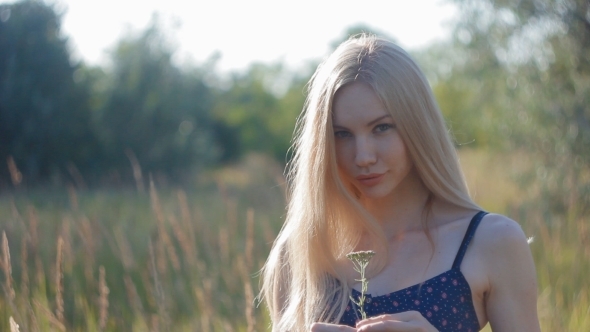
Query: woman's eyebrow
(378, 119)
(372, 122)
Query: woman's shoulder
(492, 242)
(497, 232)
(510, 297)
(501, 245)
(500, 270)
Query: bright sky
(244, 31)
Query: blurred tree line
(64, 121)
(514, 77)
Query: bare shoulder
(497, 233)
(501, 244)
(499, 250)
(510, 297)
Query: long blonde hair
(301, 281)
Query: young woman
(375, 169)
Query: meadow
(167, 259)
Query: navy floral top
(444, 300)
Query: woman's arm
(511, 300)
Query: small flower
(361, 257)
(360, 260)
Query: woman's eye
(341, 134)
(384, 127)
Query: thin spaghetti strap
(467, 238)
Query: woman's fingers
(387, 326)
(325, 327)
(408, 321)
(402, 322)
(404, 316)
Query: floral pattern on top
(444, 300)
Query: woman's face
(369, 150)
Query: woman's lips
(370, 180)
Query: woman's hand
(400, 322)
(407, 321)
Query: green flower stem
(360, 261)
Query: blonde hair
(301, 281)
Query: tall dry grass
(165, 259)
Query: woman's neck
(403, 209)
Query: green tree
(44, 115)
(261, 106)
(466, 85)
(150, 107)
(533, 61)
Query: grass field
(186, 260)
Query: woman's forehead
(357, 102)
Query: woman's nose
(365, 152)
